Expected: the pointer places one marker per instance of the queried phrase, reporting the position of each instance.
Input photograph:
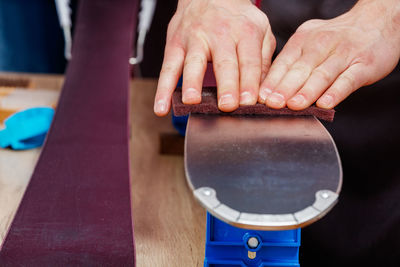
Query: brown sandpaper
(209, 105)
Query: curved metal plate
(264, 173)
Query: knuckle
(309, 24)
(196, 26)
(250, 28)
(222, 28)
(297, 39)
(280, 66)
(168, 69)
(324, 37)
(349, 81)
(174, 39)
(248, 63)
(172, 24)
(222, 63)
(172, 27)
(323, 74)
(301, 67)
(272, 41)
(268, 47)
(265, 66)
(170, 35)
(195, 59)
(283, 63)
(258, 17)
(344, 50)
(321, 42)
(262, 19)
(365, 58)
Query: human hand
(234, 34)
(327, 60)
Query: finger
(320, 79)
(295, 78)
(349, 81)
(170, 71)
(193, 72)
(289, 54)
(249, 56)
(268, 48)
(226, 72)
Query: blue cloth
(26, 129)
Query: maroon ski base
(77, 208)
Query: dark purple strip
(76, 209)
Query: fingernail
(226, 100)
(246, 98)
(326, 100)
(264, 93)
(298, 100)
(190, 94)
(276, 99)
(160, 106)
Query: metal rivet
(207, 192)
(251, 254)
(325, 195)
(252, 242)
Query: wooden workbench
(169, 225)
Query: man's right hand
(234, 34)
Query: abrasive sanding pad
(209, 105)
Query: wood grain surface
(15, 171)
(16, 167)
(169, 225)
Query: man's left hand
(327, 60)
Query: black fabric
(155, 40)
(364, 228)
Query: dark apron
(364, 228)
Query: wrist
(381, 15)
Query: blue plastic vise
(26, 129)
(227, 245)
(180, 123)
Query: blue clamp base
(227, 245)
(26, 129)
(180, 123)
